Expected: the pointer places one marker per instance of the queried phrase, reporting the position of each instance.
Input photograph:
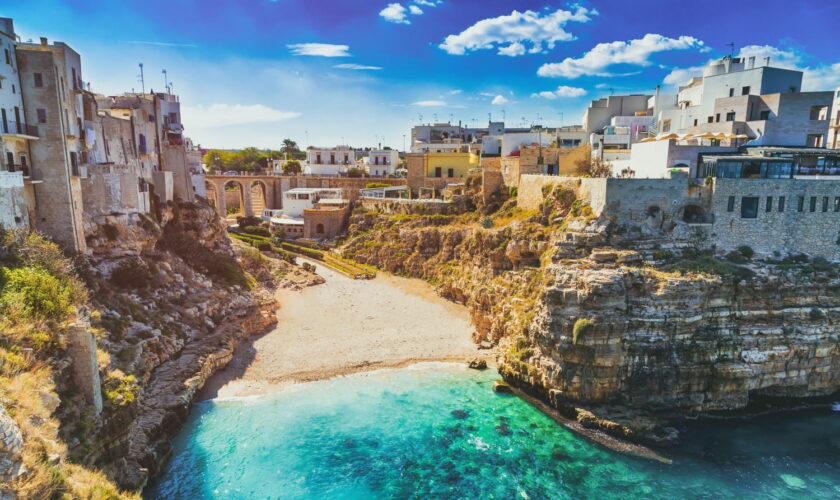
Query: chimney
(43, 41)
(767, 61)
(751, 63)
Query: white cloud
(428, 103)
(319, 49)
(499, 100)
(428, 3)
(824, 76)
(456, 91)
(395, 13)
(598, 60)
(512, 50)
(510, 33)
(356, 67)
(562, 91)
(219, 115)
(415, 10)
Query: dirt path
(344, 326)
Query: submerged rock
(501, 387)
(478, 364)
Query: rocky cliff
(624, 330)
(162, 302)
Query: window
(781, 203)
(732, 92)
(450, 172)
(42, 115)
(764, 115)
(813, 204)
(695, 122)
(769, 206)
(730, 204)
(814, 140)
(837, 203)
(819, 113)
(438, 172)
(749, 207)
(711, 119)
(792, 89)
(8, 57)
(319, 229)
(38, 80)
(825, 204)
(800, 204)
(717, 117)
(730, 117)
(666, 126)
(745, 90)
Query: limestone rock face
(661, 345)
(11, 447)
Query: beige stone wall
(331, 222)
(590, 191)
(111, 189)
(789, 231)
(13, 209)
(58, 211)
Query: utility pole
(142, 80)
(731, 46)
(165, 82)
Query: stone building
(788, 216)
(51, 82)
(536, 160)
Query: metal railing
(18, 128)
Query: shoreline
(346, 326)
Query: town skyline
(365, 73)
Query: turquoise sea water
(437, 430)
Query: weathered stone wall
(793, 230)
(13, 210)
(110, 188)
(324, 223)
(589, 191)
(82, 348)
(396, 206)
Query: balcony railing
(18, 168)
(17, 128)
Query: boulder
(478, 364)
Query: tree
(289, 146)
(587, 166)
(292, 167)
(216, 160)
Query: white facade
(439, 148)
(329, 161)
(382, 162)
(834, 122)
(654, 159)
(601, 111)
(14, 131)
(13, 210)
(295, 201)
(614, 141)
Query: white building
(613, 143)
(834, 122)
(329, 161)
(15, 133)
(601, 111)
(296, 200)
(382, 162)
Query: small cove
(437, 430)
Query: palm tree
(289, 146)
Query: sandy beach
(344, 326)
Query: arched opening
(319, 229)
(258, 201)
(682, 166)
(694, 214)
(234, 199)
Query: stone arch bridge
(255, 192)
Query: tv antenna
(731, 46)
(165, 81)
(503, 115)
(142, 80)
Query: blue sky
(252, 72)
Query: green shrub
(746, 251)
(486, 222)
(34, 293)
(374, 185)
(736, 258)
(513, 192)
(662, 255)
(264, 246)
(258, 230)
(314, 254)
(582, 327)
(120, 389)
(710, 265)
(216, 265)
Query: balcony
(20, 130)
(175, 128)
(15, 167)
